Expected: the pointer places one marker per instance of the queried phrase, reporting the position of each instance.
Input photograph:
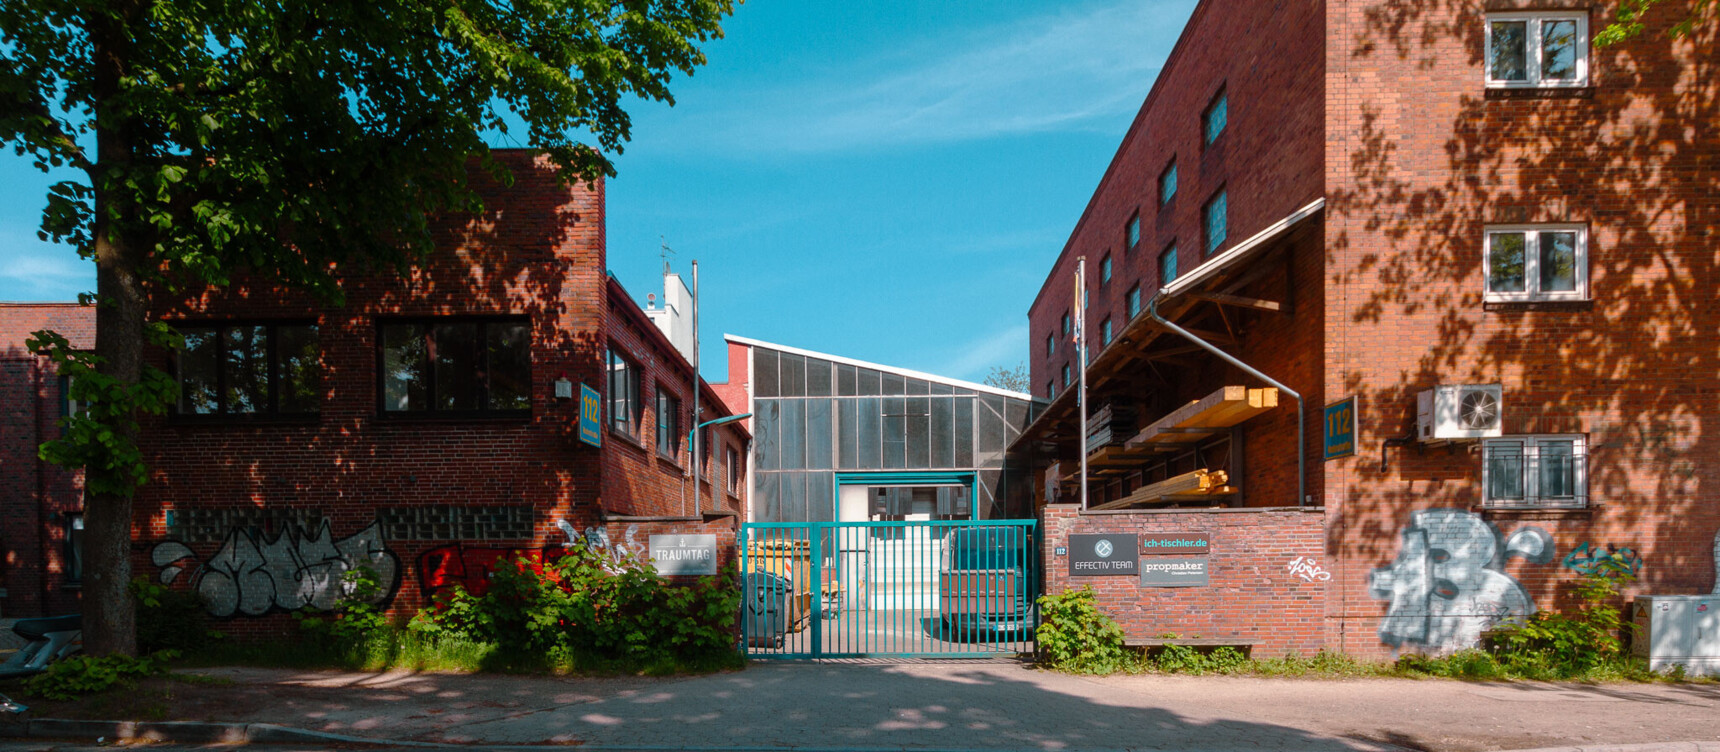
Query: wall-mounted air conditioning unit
(1459, 411)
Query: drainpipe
(1301, 444)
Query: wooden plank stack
(1194, 486)
(1110, 425)
(1206, 416)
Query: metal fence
(889, 589)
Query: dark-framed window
(455, 367)
(240, 369)
(737, 469)
(1217, 116)
(1105, 270)
(1134, 301)
(1105, 331)
(1168, 183)
(1132, 232)
(624, 402)
(668, 424)
(1168, 265)
(1217, 221)
(1050, 345)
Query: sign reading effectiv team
(1176, 543)
(1173, 572)
(684, 554)
(1092, 555)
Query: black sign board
(1099, 555)
(1198, 544)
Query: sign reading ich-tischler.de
(1169, 572)
(684, 554)
(590, 412)
(1341, 428)
(1092, 555)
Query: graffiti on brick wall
(1448, 584)
(471, 567)
(1588, 558)
(1308, 569)
(253, 573)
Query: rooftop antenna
(665, 252)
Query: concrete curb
(1647, 747)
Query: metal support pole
(1081, 365)
(694, 443)
(1301, 444)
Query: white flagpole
(1081, 364)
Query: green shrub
(169, 619)
(593, 610)
(78, 675)
(355, 619)
(1074, 635)
(1554, 645)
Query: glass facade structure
(816, 419)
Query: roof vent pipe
(1301, 443)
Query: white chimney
(675, 317)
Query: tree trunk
(110, 621)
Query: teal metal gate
(889, 589)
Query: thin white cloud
(1065, 72)
(31, 270)
(972, 361)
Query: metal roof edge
(879, 367)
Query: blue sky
(886, 180)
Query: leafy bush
(169, 619)
(1552, 645)
(78, 675)
(1076, 636)
(592, 609)
(1183, 659)
(355, 620)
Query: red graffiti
(470, 567)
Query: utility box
(1678, 629)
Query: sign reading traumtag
(684, 554)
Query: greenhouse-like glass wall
(815, 418)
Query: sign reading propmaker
(1176, 543)
(684, 554)
(1169, 572)
(1094, 555)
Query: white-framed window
(1537, 49)
(1536, 262)
(1535, 470)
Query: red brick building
(429, 426)
(1469, 205)
(40, 504)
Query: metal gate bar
(889, 589)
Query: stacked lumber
(1199, 484)
(1110, 425)
(1206, 416)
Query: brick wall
(35, 497)
(1266, 58)
(1420, 158)
(407, 493)
(1253, 595)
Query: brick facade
(36, 499)
(1386, 117)
(264, 514)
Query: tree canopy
(293, 140)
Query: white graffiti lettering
(251, 574)
(1308, 569)
(1448, 585)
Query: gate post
(815, 620)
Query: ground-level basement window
(1535, 471)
